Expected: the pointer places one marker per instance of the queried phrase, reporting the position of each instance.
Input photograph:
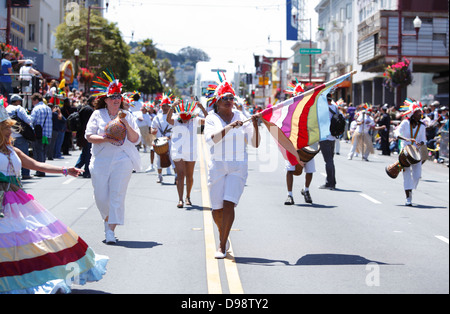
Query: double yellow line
(212, 264)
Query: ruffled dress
(38, 253)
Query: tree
(106, 48)
(193, 55)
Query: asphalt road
(359, 238)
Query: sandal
(180, 204)
(188, 201)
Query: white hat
(3, 114)
(16, 97)
(28, 61)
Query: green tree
(106, 46)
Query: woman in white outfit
(112, 161)
(412, 131)
(184, 146)
(228, 170)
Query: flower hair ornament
(411, 106)
(106, 87)
(185, 111)
(295, 89)
(223, 88)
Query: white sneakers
(109, 235)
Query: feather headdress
(166, 99)
(295, 89)
(411, 106)
(221, 89)
(185, 111)
(106, 87)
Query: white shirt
(184, 139)
(160, 123)
(142, 119)
(16, 163)
(97, 124)
(233, 147)
(368, 123)
(405, 130)
(135, 106)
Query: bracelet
(65, 171)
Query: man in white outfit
(412, 132)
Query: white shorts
(310, 166)
(226, 182)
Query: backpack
(73, 121)
(337, 125)
(24, 129)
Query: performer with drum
(113, 134)
(412, 131)
(163, 132)
(184, 144)
(227, 137)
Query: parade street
(359, 238)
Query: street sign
(310, 51)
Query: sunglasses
(227, 98)
(115, 96)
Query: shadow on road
(312, 260)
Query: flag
(302, 120)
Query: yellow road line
(212, 265)
(212, 268)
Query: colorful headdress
(106, 87)
(223, 88)
(185, 111)
(166, 99)
(411, 106)
(148, 105)
(295, 89)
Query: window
(31, 32)
(349, 11)
(41, 31)
(49, 32)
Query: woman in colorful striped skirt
(38, 253)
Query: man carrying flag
(302, 121)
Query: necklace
(112, 116)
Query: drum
(423, 153)
(409, 155)
(161, 145)
(164, 160)
(306, 154)
(116, 130)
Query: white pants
(110, 176)
(411, 176)
(226, 181)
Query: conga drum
(409, 155)
(161, 147)
(423, 153)
(306, 154)
(116, 130)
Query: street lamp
(417, 25)
(76, 53)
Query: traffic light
(257, 63)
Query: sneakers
(160, 179)
(408, 202)
(289, 200)
(150, 169)
(110, 237)
(307, 196)
(326, 187)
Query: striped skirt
(38, 253)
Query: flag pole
(304, 94)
